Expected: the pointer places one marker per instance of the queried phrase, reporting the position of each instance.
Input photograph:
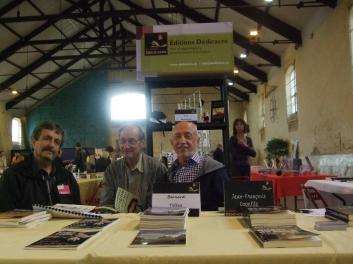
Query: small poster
(217, 112)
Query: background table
(88, 189)
(286, 185)
(212, 238)
(335, 193)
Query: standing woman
(241, 148)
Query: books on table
(157, 218)
(330, 225)
(285, 237)
(68, 210)
(64, 239)
(159, 238)
(343, 213)
(271, 217)
(23, 218)
(88, 224)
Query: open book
(125, 201)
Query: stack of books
(343, 213)
(285, 237)
(275, 227)
(163, 219)
(271, 217)
(23, 218)
(162, 227)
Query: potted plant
(276, 148)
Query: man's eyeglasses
(130, 141)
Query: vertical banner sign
(184, 49)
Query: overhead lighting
(14, 92)
(254, 33)
(243, 55)
(230, 83)
(268, 1)
(236, 71)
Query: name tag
(63, 189)
(178, 195)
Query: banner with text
(184, 49)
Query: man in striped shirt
(190, 166)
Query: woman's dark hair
(246, 127)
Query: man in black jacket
(39, 179)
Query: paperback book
(64, 239)
(275, 217)
(125, 201)
(159, 238)
(344, 213)
(163, 219)
(285, 236)
(23, 218)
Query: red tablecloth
(286, 185)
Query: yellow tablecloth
(212, 238)
(88, 187)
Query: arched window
(16, 131)
(291, 92)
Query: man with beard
(136, 172)
(39, 179)
(190, 166)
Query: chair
(240, 178)
(313, 196)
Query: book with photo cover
(88, 224)
(159, 238)
(64, 239)
(344, 213)
(285, 237)
(125, 201)
(217, 112)
(23, 218)
(68, 210)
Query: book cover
(217, 112)
(64, 239)
(88, 224)
(159, 238)
(285, 236)
(125, 201)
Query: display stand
(187, 82)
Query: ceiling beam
(330, 3)
(251, 87)
(263, 18)
(37, 63)
(96, 56)
(244, 41)
(36, 87)
(86, 39)
(10, 6)
(7, 52)
(238, 93)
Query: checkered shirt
(189, 172)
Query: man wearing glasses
(136, 172)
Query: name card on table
(238, 196)
(178, 195)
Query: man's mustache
(49, 149)
(182, 146)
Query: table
(287, 185)
(212, 238)
(88, 188)
(335, 193)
